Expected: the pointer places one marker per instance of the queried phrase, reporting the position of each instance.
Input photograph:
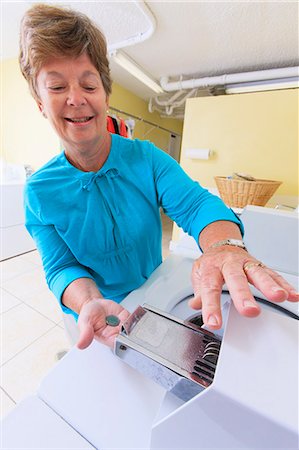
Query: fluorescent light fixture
(269, 85)
(136, 71)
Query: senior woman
(93, 210)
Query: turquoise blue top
(106, 225)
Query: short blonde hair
(49, 31)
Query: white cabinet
(15, 239)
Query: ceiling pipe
(234, 78)
(169, 109)
(140, 37)
(170, 100)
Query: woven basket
(239, 193)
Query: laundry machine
(251, 399)
(33, 425)
(247, 404)
(15, 239)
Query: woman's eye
(89, 88)
(56, 88)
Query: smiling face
(72, 97)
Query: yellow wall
(27, 138)
(125, 101)
(255, 133)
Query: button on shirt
(106, 225)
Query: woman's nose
(76, 97)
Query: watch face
(236, 242)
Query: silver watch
(233, 242)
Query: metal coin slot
(178, 354)
(197, 320)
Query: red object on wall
(117, 126)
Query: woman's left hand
(92, 322)
(235, 267)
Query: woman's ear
(40, 107)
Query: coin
(113, 321)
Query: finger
(211, 288)
(271, 284)
(86, 335)
(293, 295)
(85, 323)
(108, 335)
(239, 290)
(195, 302)
(123, 315)
(108, 339)
(109, 331)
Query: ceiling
(187, 38)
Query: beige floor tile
(14, 267)
(32, 257)
(7, 301)
(21, 326)
(22, 375)
(46, 303)
(61, 324)
(27, 284)
(6, 404)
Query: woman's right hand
(92, 322)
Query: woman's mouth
(79, 119)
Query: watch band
(233, 242)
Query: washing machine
(249, 399)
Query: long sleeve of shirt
(60, 265)
(184, 200)
(106, 225)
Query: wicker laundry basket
(239, 193)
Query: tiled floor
(32, 330)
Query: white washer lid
(33, 425)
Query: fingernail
(213, 320)
(294, 292)
(278, 289)
(249, 304)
